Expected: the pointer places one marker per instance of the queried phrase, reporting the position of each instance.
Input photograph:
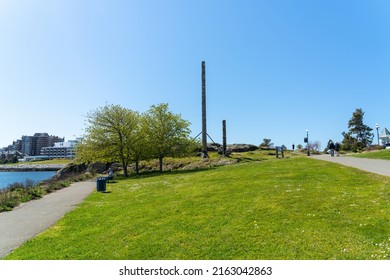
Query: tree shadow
(150, 174)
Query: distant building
(61, 150)
(44, 140)
(18, 145)
(385, 137)
(32, 145)
(10, 150)
(27, 145)
(41, 140)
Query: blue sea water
(7, 178)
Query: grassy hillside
(382, 154)
(295, 208)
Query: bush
(7, 200)
(374, 148)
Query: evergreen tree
(359, 135)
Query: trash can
(101, 184)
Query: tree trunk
(137, 166)
(124, 166)
(160, 158)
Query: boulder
(239, 148)
(69, 170)
(97, 167)
(213, 147)
(231, 148)
(115, 167)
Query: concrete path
(31, 218)
(378, 166)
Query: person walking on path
(29, 219)
(337, 148)
(331, 147)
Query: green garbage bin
(101, 184)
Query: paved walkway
(378, 166)
(31, 218)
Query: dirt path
(31, 218)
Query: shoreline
(32, 167)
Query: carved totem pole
(204, 127)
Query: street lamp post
(377, 132)
(307, 139)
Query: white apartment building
(61, 150)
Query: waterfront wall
(32, 167)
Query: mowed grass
(49, 161)
(382, 154)
(293, 208)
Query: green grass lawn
(293, 208)
(49, 161)
(382, 154)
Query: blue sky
(274, 68)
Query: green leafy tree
(166, 133)
(140, 148)
(111, 136)
(359, 135)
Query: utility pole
(377, 132)
(308, 145)
(204, 127)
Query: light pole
(377, 132)
(307, 139)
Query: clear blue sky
(274, 67)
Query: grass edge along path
(33, 217)
(296, 208)
(381, 154)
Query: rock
(238, 148)
(213, 147)
(70, 170)
(77, 169)
(97, 167)
(115, 167)
(235, 148)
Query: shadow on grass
(149, 174)
(155, 173)
(249, 159)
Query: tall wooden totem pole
(204, 126)
(224, 138)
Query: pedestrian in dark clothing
(331, 147)
(337, 148)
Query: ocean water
(8, 177)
